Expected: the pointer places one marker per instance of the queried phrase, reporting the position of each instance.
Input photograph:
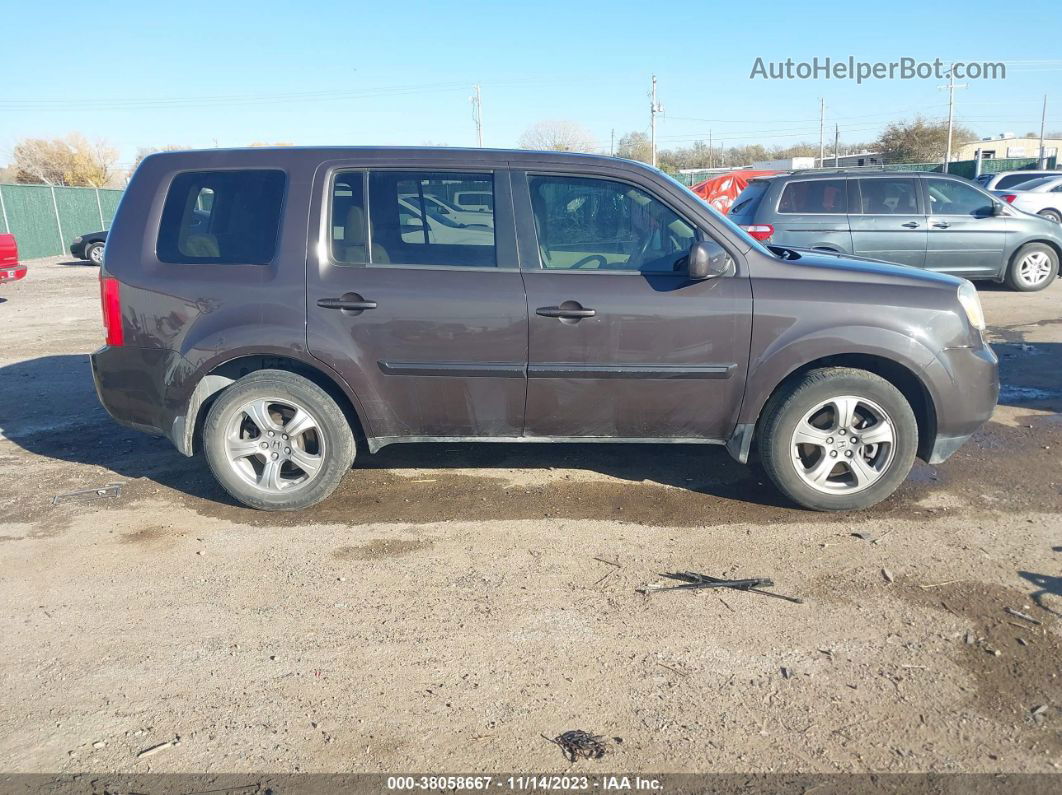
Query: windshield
(737, 230)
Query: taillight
(112, 310)
(1009, 197)
(759, 231)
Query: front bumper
(968, 401)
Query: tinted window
(749, 198)
(222, 217)
(954, 198)
(889, 196)
(598, 224)
(814, 196)
(408, 229)
(1011, 180)
(1032, 183)
(349, 231)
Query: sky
(229, 73)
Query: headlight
(76, 240)
(972, 304)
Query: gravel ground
(451, 604)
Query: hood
(863, 267)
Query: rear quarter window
(749, 199)
(222, 217)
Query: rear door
(427, 321)
(622, 343)
(965, 236)
(888, 219)
(812, 213)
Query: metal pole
(710, 151)
(1043, 121)
(612, 143)
(58, 223)
(479, 117)
(951, 114)
(652, 120)
(977, 162)
(99, 206)
(822, 118)
(3, 212)
(836, 146)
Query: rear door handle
(350, 302)
(942, 225)
(911, 224)
(566, 312)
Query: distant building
(1006, 145)
(785, 164)
(853, 160)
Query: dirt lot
(451, 604)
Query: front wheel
(838, 439)
(1033, 267)
(277, 441)
(94, 253)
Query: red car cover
(721, 191)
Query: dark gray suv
(282, 310)
(931, 221)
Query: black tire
(1014, 278)
(335, 446)
(94, 253)
(1051, 215)
(788, 407)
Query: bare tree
(73, 160)
(144, 151)
(558, 136)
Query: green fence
(45, 219)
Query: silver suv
(932, 221)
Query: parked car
(301, 323)
(1009, 179)
(477, 201)
(89, 247)
(1041, 196)
(10, 269)
(933, 221)
(438, 207)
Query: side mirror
(708, 260)
(997, 208)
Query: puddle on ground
(1009, 393)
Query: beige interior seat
(354, 239)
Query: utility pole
(836, 146)
(654, 108)
(1042, 163)
(951, 111)
(710, 152)
(612, 144)
(822, 118)
(477, 113)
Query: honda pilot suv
(931, 221)
(283, 311)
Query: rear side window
(1011, 180)
(222, 217)
(408, 226)
(815, 196)
(889, 196)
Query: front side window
(598, 224)
(954, 198)
(222, 217)
(407, 225)
(888, 196)
(816, 196)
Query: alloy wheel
(275, 445)
(1034, 268)
(843, 445)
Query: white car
(1041, 196)
(1004, 180)
(441, 229)
(436, 206)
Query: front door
(887, 220)
(423, 316)
(965, 236)
(622, 343)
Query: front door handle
(941, 225)
(911, 224)
(348, 302)
(569, 310)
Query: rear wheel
(838, 439)
(94, 253)
(1051, 215)
(1033, 267)
(277, 441)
